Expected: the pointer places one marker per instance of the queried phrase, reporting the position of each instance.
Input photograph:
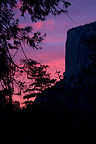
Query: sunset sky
(53, 52)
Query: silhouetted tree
(39, 9)
(39, 78)
(12, 37)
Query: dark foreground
(41, 122)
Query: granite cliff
(77, 90)
(77, 50)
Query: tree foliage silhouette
(39, 78)
(38, 9)
(13, 37)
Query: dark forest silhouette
(13, 38)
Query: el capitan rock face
(77, 50)
(74, 97)
(78, 88)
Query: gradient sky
(53, 52)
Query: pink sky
(53, 52)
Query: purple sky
(53, 52)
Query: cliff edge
(78, 48)
(77, 91)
